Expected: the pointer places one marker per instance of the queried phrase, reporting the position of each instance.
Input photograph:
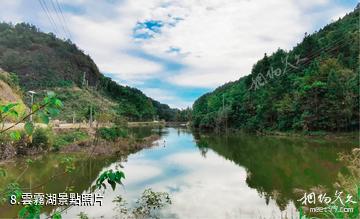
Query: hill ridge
(320, 95)
(42, 61)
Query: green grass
(77, 102)
(66, 138)
(111, 134)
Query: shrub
(58, 143)
(42, 138)
(111, 134)
(74, 136)
(147, 206)
(66, 138)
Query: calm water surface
(206, 176)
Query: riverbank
(353, 135)
(123, 146)
(274, 169)
(147, 124)
(56, 124)
(314, 134)
(86, 141)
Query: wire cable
(63, 18)
(48, 14)
(58, 17)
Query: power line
(63, 18)
(47, 12)
(337, 44)
(58, 16)
(333, 45)
(318, 53)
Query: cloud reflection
(199, 187)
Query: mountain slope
(41, 61)
(10, 92)
(315, 86)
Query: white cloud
(107, 42)
(161, 94)
(217, 41)
(203, 78)
(8, 15)
(167, 96)
(224, 39)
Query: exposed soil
(91, 146)
(102, 147)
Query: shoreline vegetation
(101, 141)
(120, 146)
(97, 140)
(351, 135)
(325, 135)
(312, 134)
(88, 141)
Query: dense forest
(42, 61)
(313, 87)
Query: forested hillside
(315, 86)
(41, 61)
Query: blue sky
(177, 50)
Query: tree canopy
(315, 86)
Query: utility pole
(84, 82)
(90, 122)
(223, 101)
(32, 103)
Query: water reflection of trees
(281, 169)
(40, 172)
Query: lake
(206, 175)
